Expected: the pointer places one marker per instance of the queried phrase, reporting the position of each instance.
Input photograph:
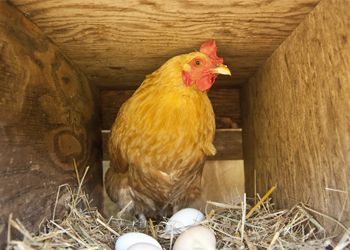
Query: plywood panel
(222, 181)
(116, 43)
(226, 105)
(48, 117)
(228, 144)
(296, 118)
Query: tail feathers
(118, 189)
(118, 162)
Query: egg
(182, 219)
(144, 246)
(127, 240)
(196, 238)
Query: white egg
(182, 219)
(129, 239)
(144, 246)
(196, 238)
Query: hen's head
(201, 68)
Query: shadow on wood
(48, 118)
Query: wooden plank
(117, 43)
(228, 143)
(226, 104)
(227, 107)
(296, 119)
(48, 117)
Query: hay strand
(261, 201)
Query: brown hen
(162, 135)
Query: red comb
(209, 48)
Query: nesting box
(66, 67)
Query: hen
(162, 135)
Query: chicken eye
(197, 62)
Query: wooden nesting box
(67, 66)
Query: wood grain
(48, 117)
(226, 104)
(116, 43)
(228, 143)
(296, 120)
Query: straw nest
(236, 226)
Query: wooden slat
(228, 144)
(227, 107)
(226, 104)
(297, 117)
(48, 117)
(116, 43)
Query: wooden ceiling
(116, 43)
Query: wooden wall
(296, 116)
(47, 117)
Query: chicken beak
(222, 69)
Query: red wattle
(206, 82)
(186, 77)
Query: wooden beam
(228, 143)
(226, 105)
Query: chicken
(162, 135)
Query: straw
(263, 227)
